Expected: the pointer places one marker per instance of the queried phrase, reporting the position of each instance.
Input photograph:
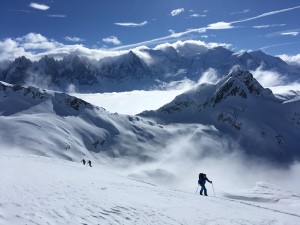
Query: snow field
(41, 190)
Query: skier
(201, 182)
(90, 163)
(83, 161)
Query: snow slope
(58, 125)
(40, 190)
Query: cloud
(268, 78)
(219, 26)
(36, 41)
(266, 14)
(213, 26)
(291, 59)
(130, 24)
(293, 33)
(176, 12)
(196, 43)
(39, 6)
(73, 39)
(269, 25)
(9, 50)
(35, 46)
(281, 44)
(32, 38)
(112, 40)
(57, 16)
(22, 10)
(241, 12)
(196, 15)
(210, 76)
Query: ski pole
(197, 189)
(213, 189)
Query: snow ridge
(239, 107)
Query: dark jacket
(202, 181)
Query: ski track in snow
(40, 190)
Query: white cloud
(36, 41)
(73, 39)
(209, 76)
(112, 40)
(57, 16)
(196, 43)
(9, 50)
(268, 78)
(176, 12)
(220, 26)
(130, 24)
(291, 59)
(241, 12)
(197, 15)
(293, 33)
(281, 44)
(38, 6)
(28, 44)
(266, 14)
(269, 25)
(172, 31)
(32, 38)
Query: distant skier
(90, 163)
(83, 161)
(201, 182)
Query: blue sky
(272, 26)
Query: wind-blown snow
(44, 191)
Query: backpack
(201, 180)
(201, 176)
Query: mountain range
(139, 69)
(237, 113)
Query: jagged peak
(22, 61)
(240, 83)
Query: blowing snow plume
(249, 129)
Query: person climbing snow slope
(202, 180)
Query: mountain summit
(242, 110)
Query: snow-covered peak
(29, 96)
(238, 106)
(240, 83)
(268, 60)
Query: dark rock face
(17, 72)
